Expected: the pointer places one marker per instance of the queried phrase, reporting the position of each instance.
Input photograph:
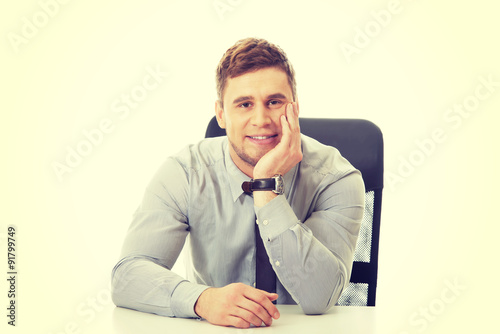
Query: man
(308, 229)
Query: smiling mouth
(262, 137)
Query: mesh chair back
(360, 142)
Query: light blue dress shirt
(309, 233)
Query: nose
(261, 116)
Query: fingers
(235, 321)
(293, 131)
(270, 295)
(256, 307)
(292, 119)
(237, 305)
(264, 299)
(292, 115)
(289, 124)
(287, 153)
(253, 313)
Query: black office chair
(360, 142)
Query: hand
(237, 305)
(283, 156)
(288, 152)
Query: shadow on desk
(339, 319)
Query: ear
(219, 114)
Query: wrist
(261, 198)
(199, 308)
(275, 184)
(263, 175)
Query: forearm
(313, 269)
(309, 271)
(143, 285)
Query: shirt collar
(237, 177)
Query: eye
(245, 105)
(275, 104)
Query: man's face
(253, 104)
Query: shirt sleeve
(142, 279)
(313, 259)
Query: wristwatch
(274, 183)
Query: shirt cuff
(275, 217)
(184, 298)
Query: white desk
(339, 319)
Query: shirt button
(265, 222)
(257, 221)
(254, 284)
(277, 263)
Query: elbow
(115, 298)
(324, 299)
(314, 309)
(119, 300)
(319, 305)
(119, 295)
(115, 295)
(118, 285)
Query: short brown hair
(252, 54)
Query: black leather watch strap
(258, 184)
(274, 184)
(264, 184)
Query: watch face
(279, 185)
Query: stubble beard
(252, 161)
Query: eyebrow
(242, 98)
(277, 96)
(246, 98)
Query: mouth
(262, 137)
(263, 140)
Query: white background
(439, 221)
